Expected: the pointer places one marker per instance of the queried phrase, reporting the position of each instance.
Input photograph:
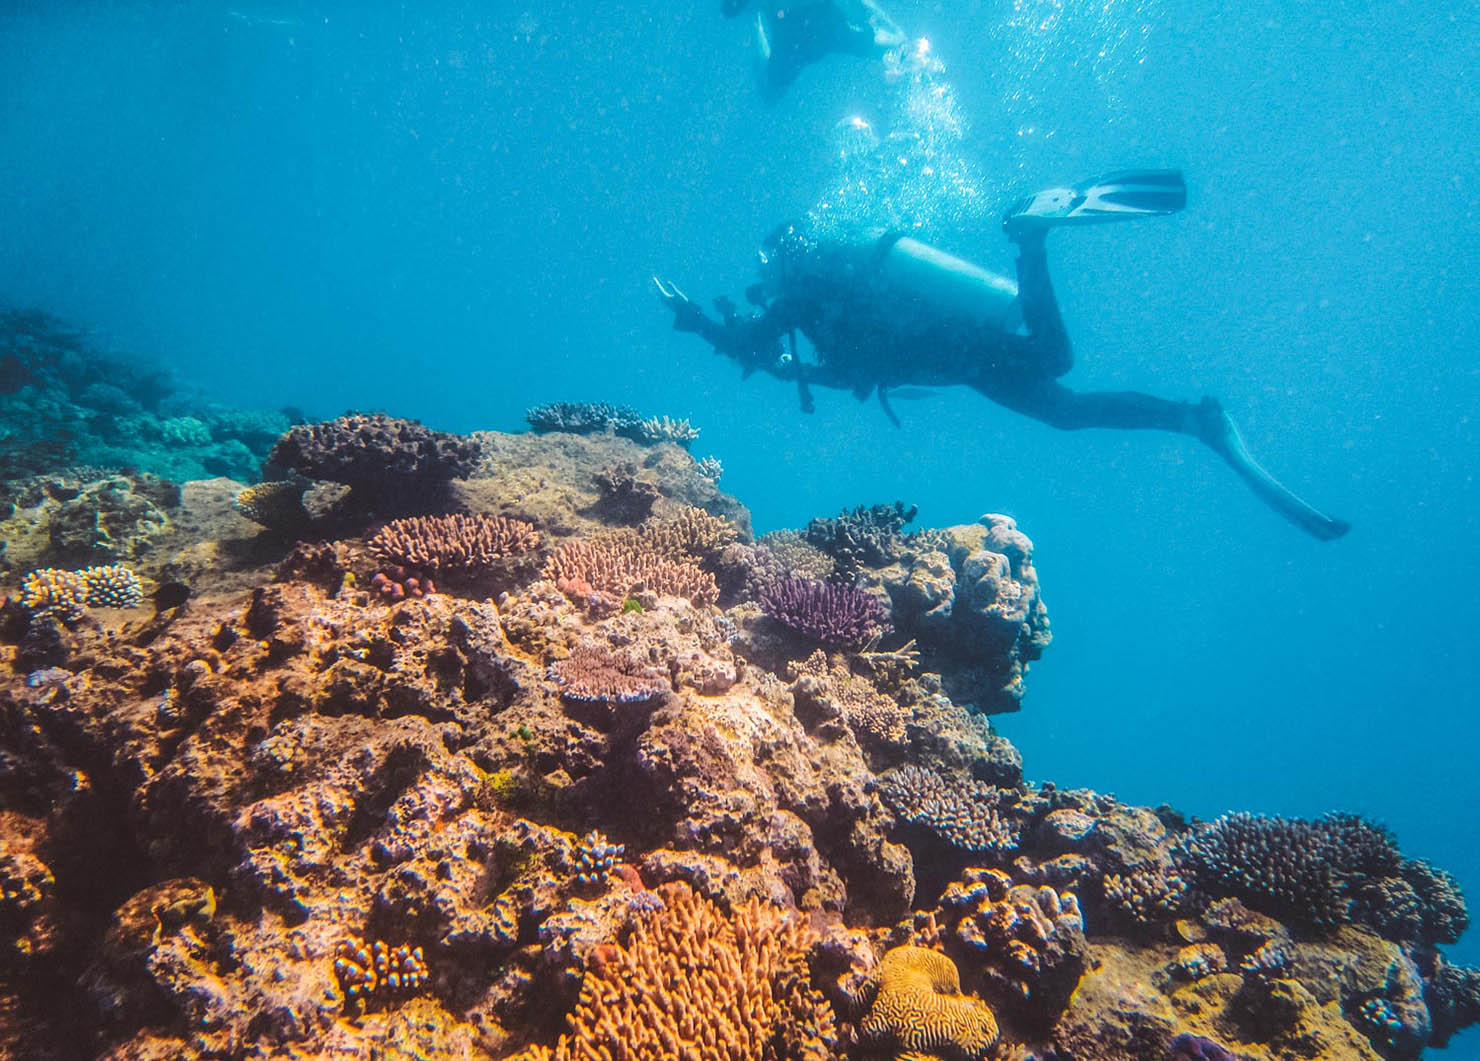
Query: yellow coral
(693, 532)
(919, 1009)
(692, 983)
(54, 592)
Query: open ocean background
(451, 212)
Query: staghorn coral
(622, 565)
(657, 429)
(385, 461)
(58, 594)
(710, 468)
(453, 545)
(693, 983)
(918, 1008)
(594, 673)
(861, 537)
(582, 418)
(835, 616)
(966, 817)
(276, 504)
(378, 972)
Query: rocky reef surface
(521, 746)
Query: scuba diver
(884, 311)
(792, 36)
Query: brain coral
(457, 544)
(918, 1007)
(693, 983)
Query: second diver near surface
(883, 310)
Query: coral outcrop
(431, 786)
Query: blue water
(452, 211)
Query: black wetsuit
(869, 339)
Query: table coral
(918, 1008)
(621, 564)
(594, 673)
(456, 545)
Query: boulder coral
(917, 1008)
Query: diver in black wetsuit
(793, 35)
(884, 311)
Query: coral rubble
(511, 770)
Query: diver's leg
(1054, 404)
(1048, 339)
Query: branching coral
(693, 533)
(581, 418)
(453, 545)
(693, 983)
(835, 616)
(964, 817)
(918, 1008)
(1295, 870)
(61, 595)
(861, 536)
(623, 564)
(1147, 896)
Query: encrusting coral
(918, 1009)
(692, 983)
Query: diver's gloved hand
(687, 317)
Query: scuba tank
(943, 287)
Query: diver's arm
(753, 341)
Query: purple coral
(836, 616)
(1188, 1047)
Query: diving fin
(1123, 196)
(1217, 430)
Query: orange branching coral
(620, 565)
(453, 544)
(696, 985)
(919, 1010)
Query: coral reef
(66, 404)
(600, 804)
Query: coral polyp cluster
(597, 775)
